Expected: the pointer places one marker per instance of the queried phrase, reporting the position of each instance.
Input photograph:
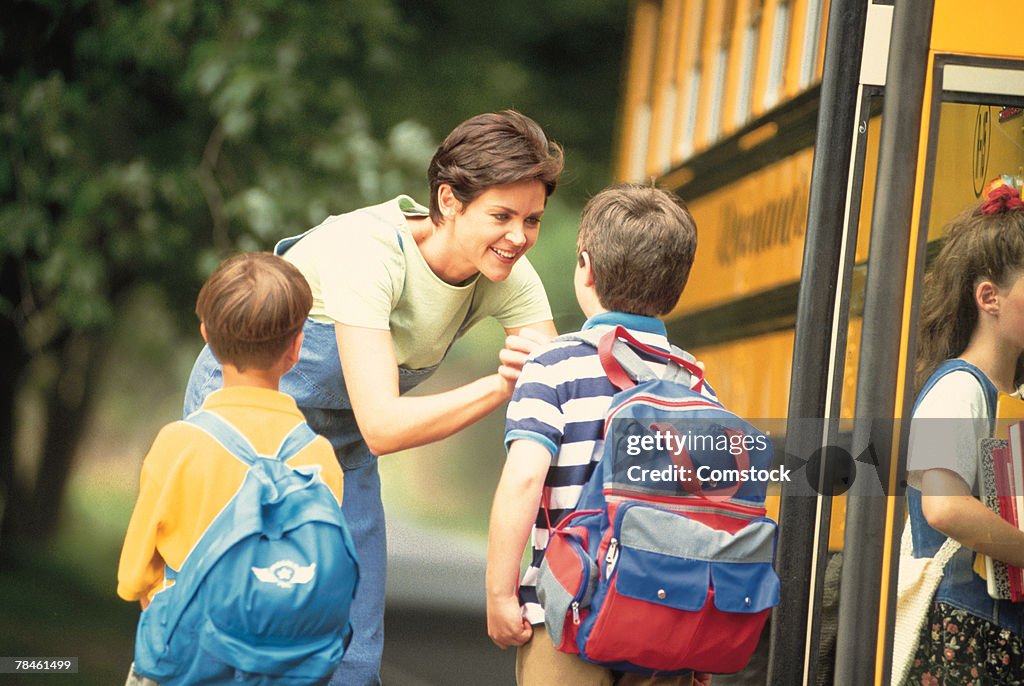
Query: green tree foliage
(143, 141)
(557, 60)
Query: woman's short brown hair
(253, 306)
(641, 241)
(490, 150)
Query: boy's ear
(294, 350)
(986, 297)
(202, 330)
(447, 201)
(585, 266)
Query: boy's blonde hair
(253, 307)
(641, 241)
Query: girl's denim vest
(961, 587)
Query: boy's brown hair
(253, 306)
(641, 241)
(490, 150)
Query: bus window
(751, 30)
(721, 70)
(777, 63)
(665, 97)
(638, 94)
(812, 44)
(694, 26)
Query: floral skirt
(957, 648)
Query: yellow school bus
(724, 101)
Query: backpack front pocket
(676, 594)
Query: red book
(1001, 580)
(1003, 469)
(1013, 472)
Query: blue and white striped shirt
(560, 402)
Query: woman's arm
(390, 422)
(948, 506)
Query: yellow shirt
(187, 479)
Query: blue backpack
(666, 564)
(264, 595)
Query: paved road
(438, 648)
(435, 627)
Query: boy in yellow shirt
(252, 310)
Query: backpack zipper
(611, 558)
(577, 546)
(695, 403)
(686, 502)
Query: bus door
(970, 137)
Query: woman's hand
(520, 344)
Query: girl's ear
(202, 330)
(986, 297)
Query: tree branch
(211, 191)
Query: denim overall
(961, 587)
(318, 387)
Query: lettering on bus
(774, 223)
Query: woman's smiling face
(493, 231)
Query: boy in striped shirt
(635, 248)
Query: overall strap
(225, 433)
(285, 244)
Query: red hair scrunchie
(1001, 199)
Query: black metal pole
(837, 120)
(859, 596)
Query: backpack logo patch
(285, 573)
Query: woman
(393, 286)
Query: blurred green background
(145, 141)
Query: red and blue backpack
(666, 565)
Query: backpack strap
(207, 551)
(610, 349)
(625, 368)
(225, 433)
